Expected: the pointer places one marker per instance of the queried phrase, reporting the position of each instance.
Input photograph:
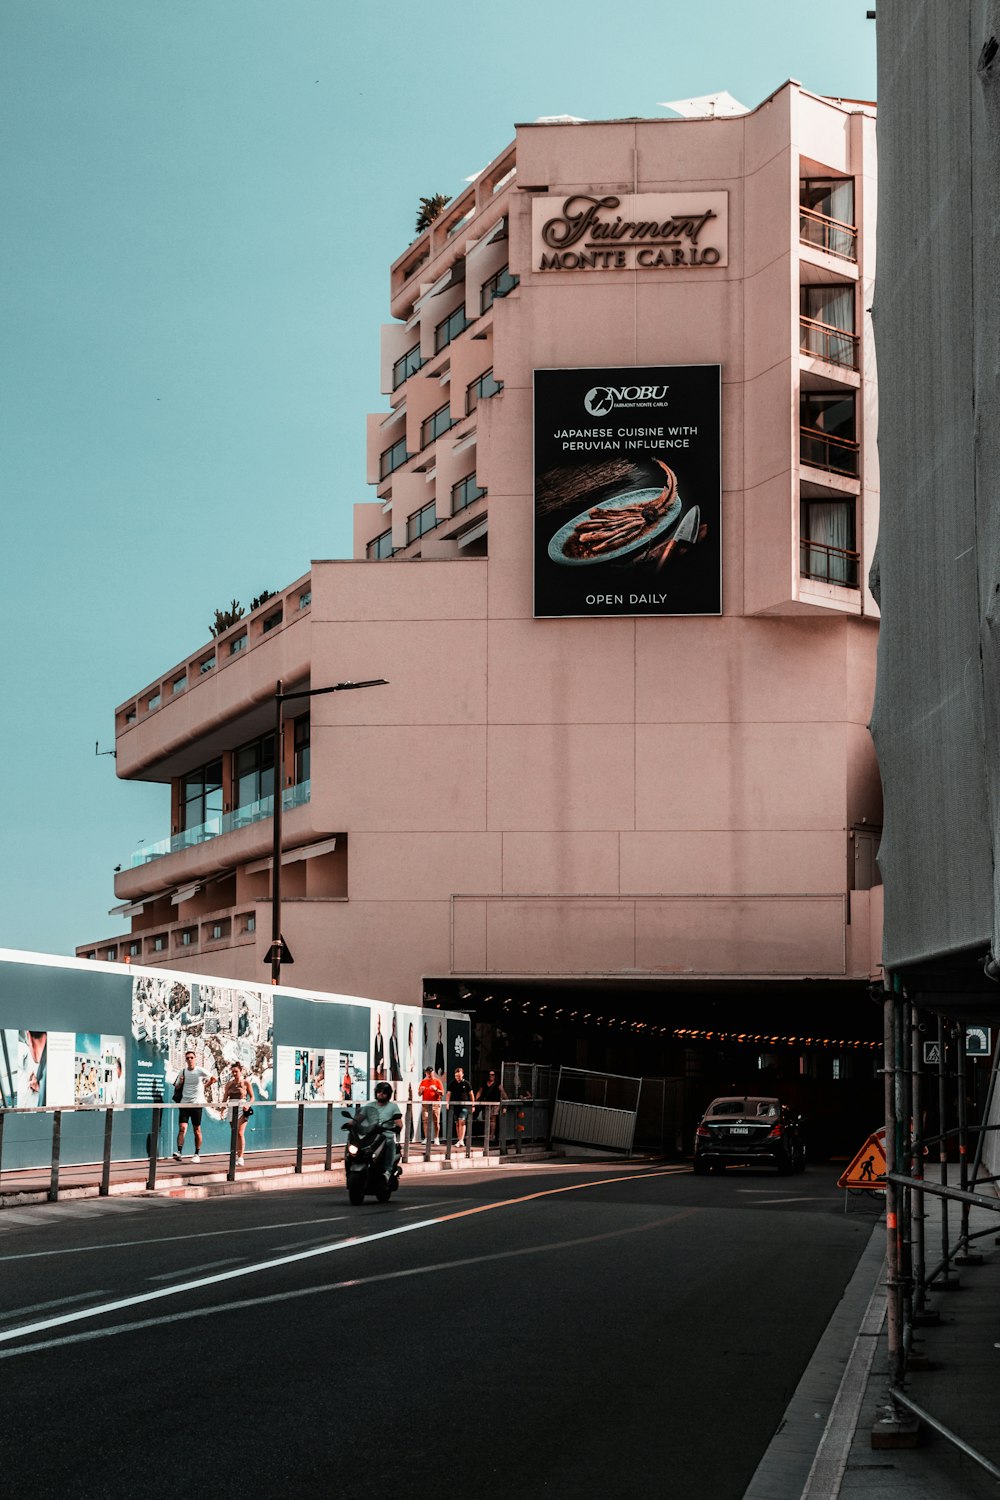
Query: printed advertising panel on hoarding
(628, 491)
(630, 231)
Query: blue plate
(619, 502)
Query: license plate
(739, 1130)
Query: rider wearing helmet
(390, 1117)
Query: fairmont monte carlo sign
(630, 232)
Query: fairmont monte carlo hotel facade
(618, 788)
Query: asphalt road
(551, 1330)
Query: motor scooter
(364, 1157)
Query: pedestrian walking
(492, 1094)
(461, 1093)
(193, 1081)
(239, 1090)
(431, 1093)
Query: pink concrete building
(656, 820)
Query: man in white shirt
(193, 1081)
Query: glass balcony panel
(213, 827)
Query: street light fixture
(278, 949)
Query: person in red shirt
(430, 1091)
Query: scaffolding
(933, 1117)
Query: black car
(749, 1130)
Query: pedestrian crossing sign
(932, 1052)
(868, 1169)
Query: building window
(827, 548)
(380, 546)
(305, 599)
(421, 521)
(826, 215)
(153, 701)
(110, 954)
(187, 937)
(433, 426)
(251, 923)
(134, 949)
(239, 644)
(406, 365)
(302, 742)
(253, 771)
(178, 685)
(201, 795)
(481, 390)
(497, 286)
(826, 323)
(206, 664)
(449, 328)
(464, 493)
(160, 943)
(271, 622)
(826, 431)
(92, 953)
(393, 458)
(130, 716)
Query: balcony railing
(828, 234)
(823, 340)
(240, 817)
(824, 451)
(829, 564)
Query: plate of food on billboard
(628, 491)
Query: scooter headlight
(352, 1150)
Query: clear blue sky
(190, 319)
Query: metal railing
(213, 828)
(918, 1094)
(836, 345)
(487, 1129)
(823, 450)
(832, 235)
(829, 564)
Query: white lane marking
(337, 1286)
(193, 1270)
(170, 1239)
(823, 1199)
(20, 1312)
(284, 1260)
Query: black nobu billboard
(628, 491)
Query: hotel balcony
(836, 346)
(240, 817)
(826, 451)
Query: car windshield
(763, 1109)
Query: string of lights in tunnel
(564, 1014)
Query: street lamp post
(277, 948)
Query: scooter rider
(390, 1117)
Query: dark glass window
(406, 365)
(302, 741)
(381, 545)
(433, 426)
(449, 328)
(826, 215)
(480, 390)
(827, 438)
(393, 458)
(827, 323)
(421, 520)
(254, 771)
(464, 493)
(201, 795)
(497, 286)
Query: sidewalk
(845, 1388)
(266, 1171)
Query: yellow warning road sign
(867, 1170)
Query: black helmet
(383, 1092)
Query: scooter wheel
(383, 1194)
(356, 1193)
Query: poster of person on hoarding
(628, 491)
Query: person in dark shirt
(492, 1092)
(459, 1097)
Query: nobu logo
(601, 399)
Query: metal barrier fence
(487, 1129)
(919, 1095)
